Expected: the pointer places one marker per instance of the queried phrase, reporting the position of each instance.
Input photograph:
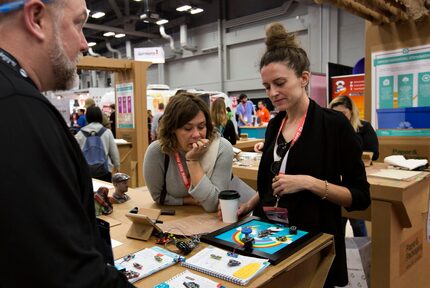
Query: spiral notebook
(225, 265)
(188, 279)
(145, 262)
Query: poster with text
(351, 86)
(125, 100)
(401, 78)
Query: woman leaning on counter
(311, 163)
(190, 163)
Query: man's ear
(35, 19)
(306, 77)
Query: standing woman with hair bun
(311, 164)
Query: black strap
(164, 191)
(99, 133)
(9, 60)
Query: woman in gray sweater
(190, 164)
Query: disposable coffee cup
(229, 201)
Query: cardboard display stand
(143, 224)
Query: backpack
(94, 153)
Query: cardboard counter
(248, 144)
(306, 268)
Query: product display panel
(260, 238)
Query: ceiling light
(97, 15)
(91, 44)
(137, 0)
(162, 21)
(196, 10)
(109, 34)
(119, 35)
(183, 8)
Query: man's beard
(65, 76)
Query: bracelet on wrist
(326, 191)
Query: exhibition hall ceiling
(137, 20)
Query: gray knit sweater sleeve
(207, 190)
(153, 172)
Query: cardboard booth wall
(410, 147)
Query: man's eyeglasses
(15, 5)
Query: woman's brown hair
(180, 110)
(219, 113)
(282, 47)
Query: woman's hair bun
(278, 37)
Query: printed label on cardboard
(411, 251)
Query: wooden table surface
(313, 255)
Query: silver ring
(205, 146)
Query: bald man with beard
(51, 235)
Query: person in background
(190, 163)
(229, 113)
(112, 119)
(82, 120)
(365, 131)
(74, 127)
(89, 102)
(155, 121)
(311, 163)
(368, 140)
(232, 117)
(52, 237)
(263, 113)
(244, 110)
(94, 118)
(221, 122)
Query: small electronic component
(130, 274)
(247, 241)
(135, 210)
(167, 212)
(137, 265)
(158, 258)
(282, 238)
(232, 254)
(264, 233)
(293, 230)
(191, 285)
(216, 257)
(183, 247)
(233, 263)
(128, 257)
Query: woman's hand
(258, 146)
(199, 149)
(288, 184)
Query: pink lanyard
(181, 169)
(296, 136)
